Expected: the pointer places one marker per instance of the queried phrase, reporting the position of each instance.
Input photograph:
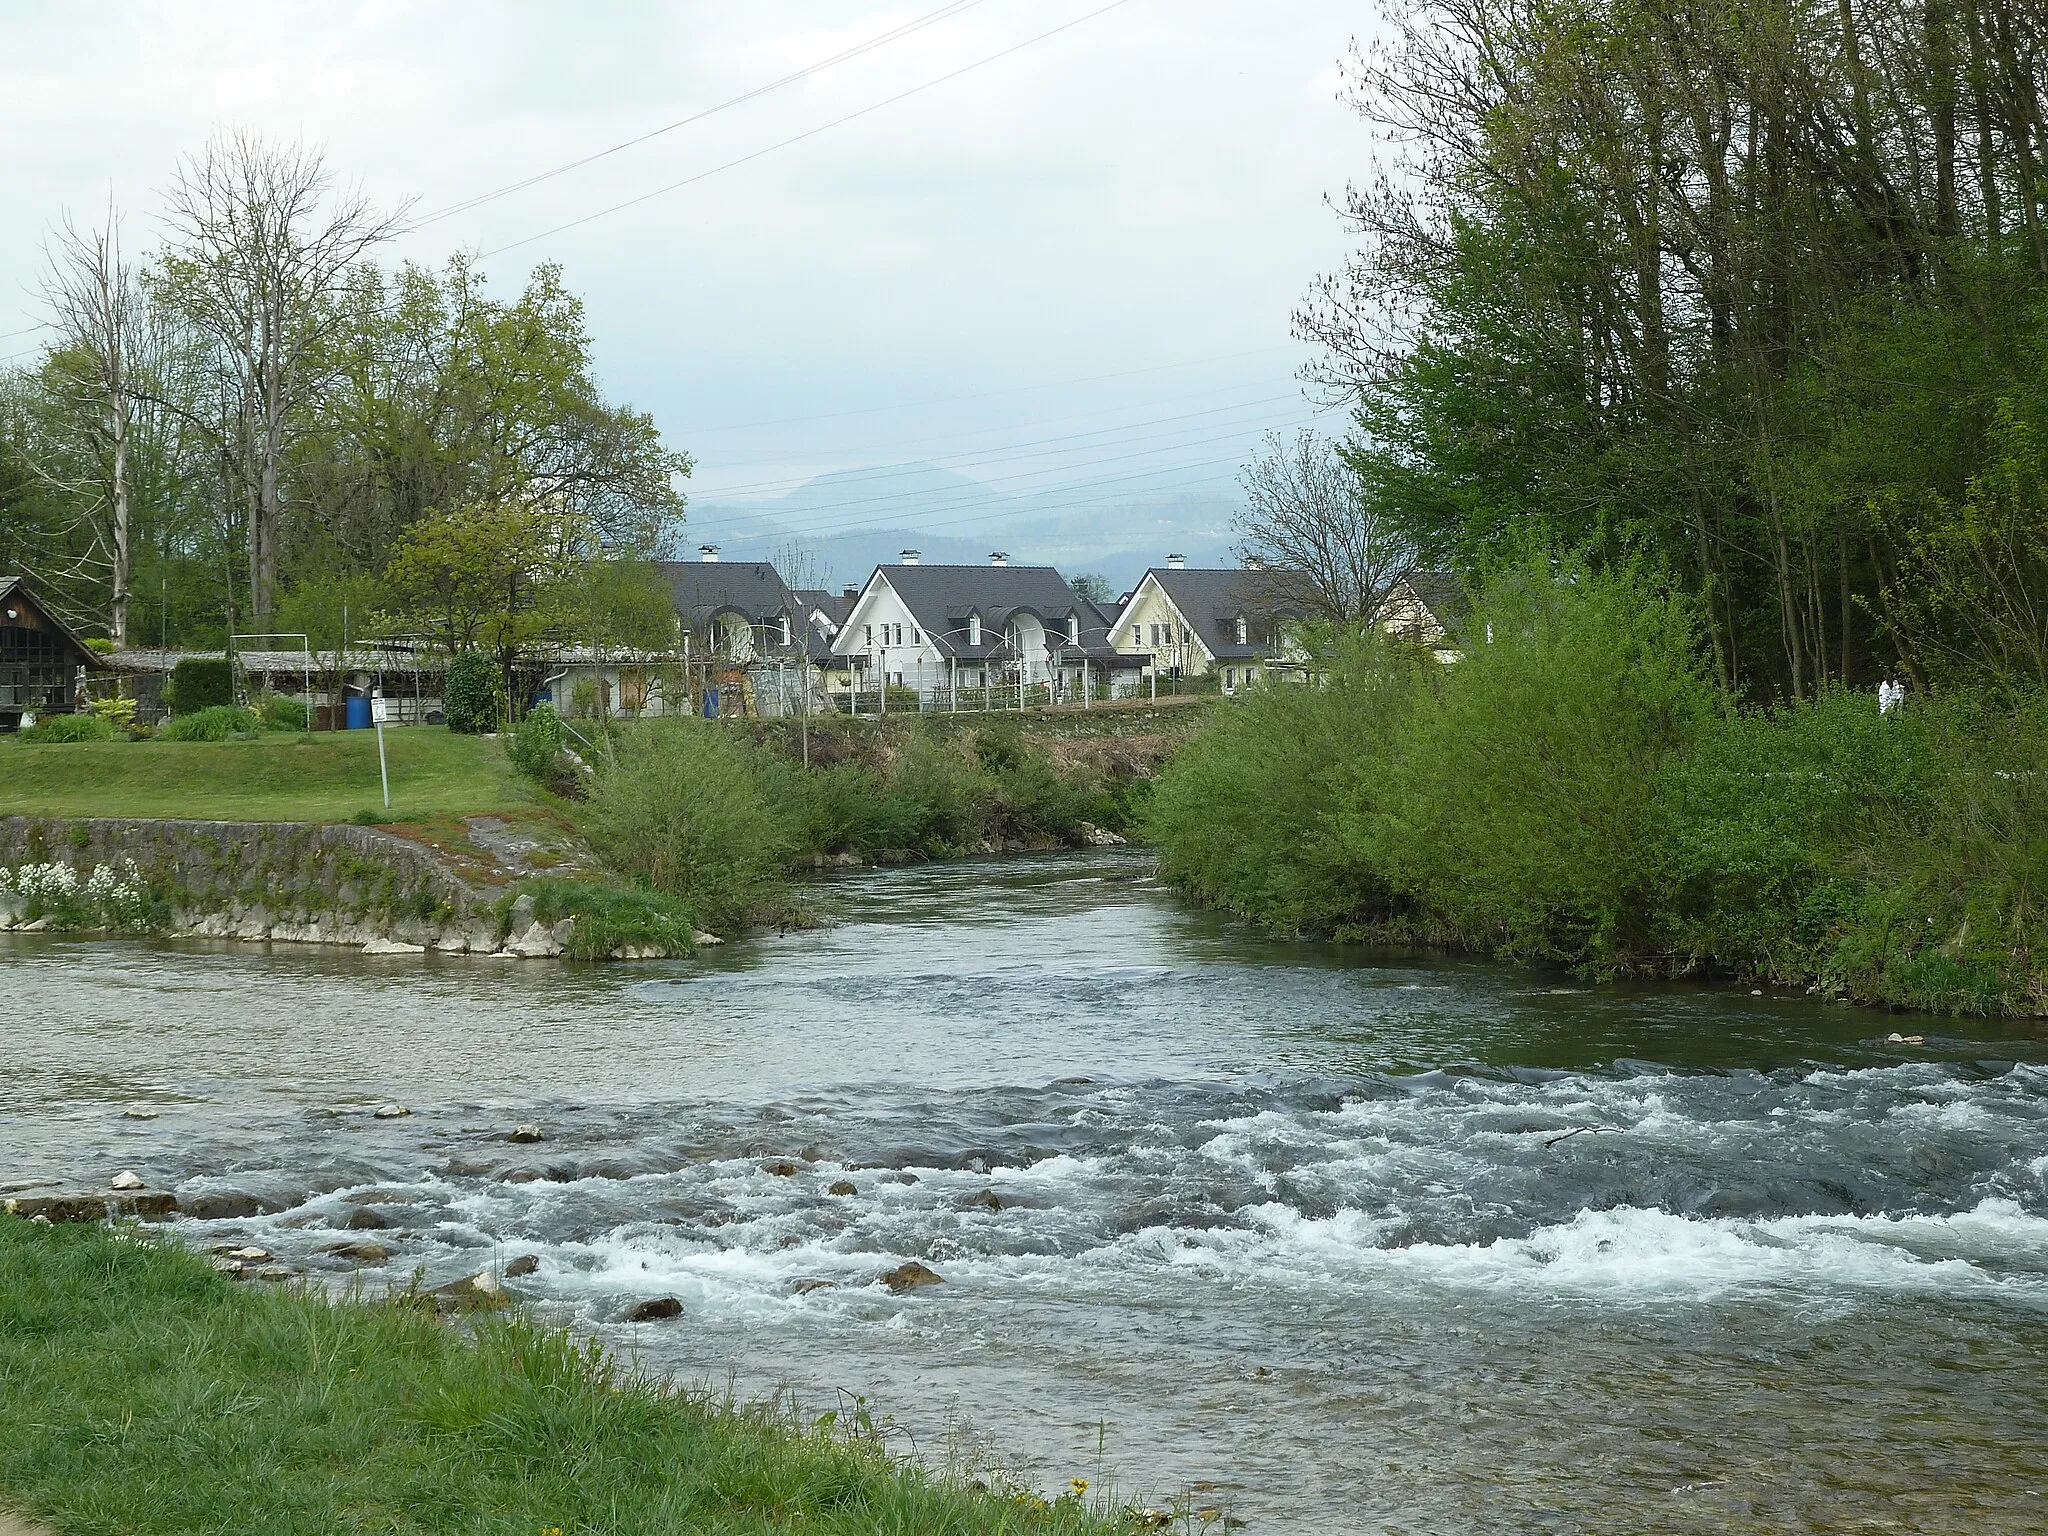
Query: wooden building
(42, 663)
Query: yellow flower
(1079, 1485)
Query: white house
(1194, 620)
(941, 628)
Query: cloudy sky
(1069, 265)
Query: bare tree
(97, 304)
(1306, 512)
(263, 244)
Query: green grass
(275, 777)
(140, 1392)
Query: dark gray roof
(1211, 599)
(944, 598)
(750, 588)
(836, 606)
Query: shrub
(473, 700)
(200, 682)
(282, 714)
(1259, 813)
(1526, 807)
(214, 724)
(70, 728)
(685, 809)
(536, 746)
(117, 712)
(607, 917)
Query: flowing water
(1330, 1241)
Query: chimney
(1176, 562)
(849, 591)
(999, 558)
(910, 557)
(708, 553)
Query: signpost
(378, 709)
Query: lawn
(330, 776)
(143, 1393)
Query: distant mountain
(844, 524)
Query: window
(1073, 629)
(916, 638)
(1240, 629)
(974, 629)
(869, 639)
(785, 629)
(1137, 634)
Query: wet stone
(524, 1135)
(366, 1219)
(655, 1310)
(844, 1187)
(525, 1264)
(359, 1253)
(910, 1277)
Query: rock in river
(911, 1277)
(655, 1309)
(128, 1179)
(525, 1264)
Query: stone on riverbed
(525, 1135)
(525, 1264)
(381, 946)
(146, 1203)
(655, 1310)
(391, 1112)
(127, 1179)
(360, 1253)
(471, 1293)
(911, 1277)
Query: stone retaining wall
(282, 881)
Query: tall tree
(263, 243)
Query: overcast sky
(949, 277)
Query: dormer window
(974, 629)
(1073, 629)
(785, 629)
(1240, 629)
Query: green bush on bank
(608, 917)
(142, 1392)
(473, 698)
(536, 747)
(708, 816)
(216, 723)
(1573, 790)
(199, 682)
(71, 728)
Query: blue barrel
(710, 703)
(358, 713)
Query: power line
(1018, 452)
(944, 13)
(986, 485)
(809, 133)
(990, 394)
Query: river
(1333, 1242)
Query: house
(826, 614)
(942, 628)
(42, 663)
(1196, 620)
(744, 634)
(736, 611)
(1426, 607)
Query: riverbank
(143, 1391)
(1575, 791)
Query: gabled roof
(836, 607)
(13, 587)
(945, 598)
(1212, 598)
(1440, 593)
(704, 588)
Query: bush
(282, 714)
(686, 810)
(70, 728)
(215, 724)
(117, 712)
(199, 682)
(536, 746)
(1253, 813)
(608, 918)
(473, 700)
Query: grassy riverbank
(1576, 790)
(142, 1393)
(329, 776)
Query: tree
(479, 577)
(1306, 512)
(262, 248)
(92, 291)
(1093, 587)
